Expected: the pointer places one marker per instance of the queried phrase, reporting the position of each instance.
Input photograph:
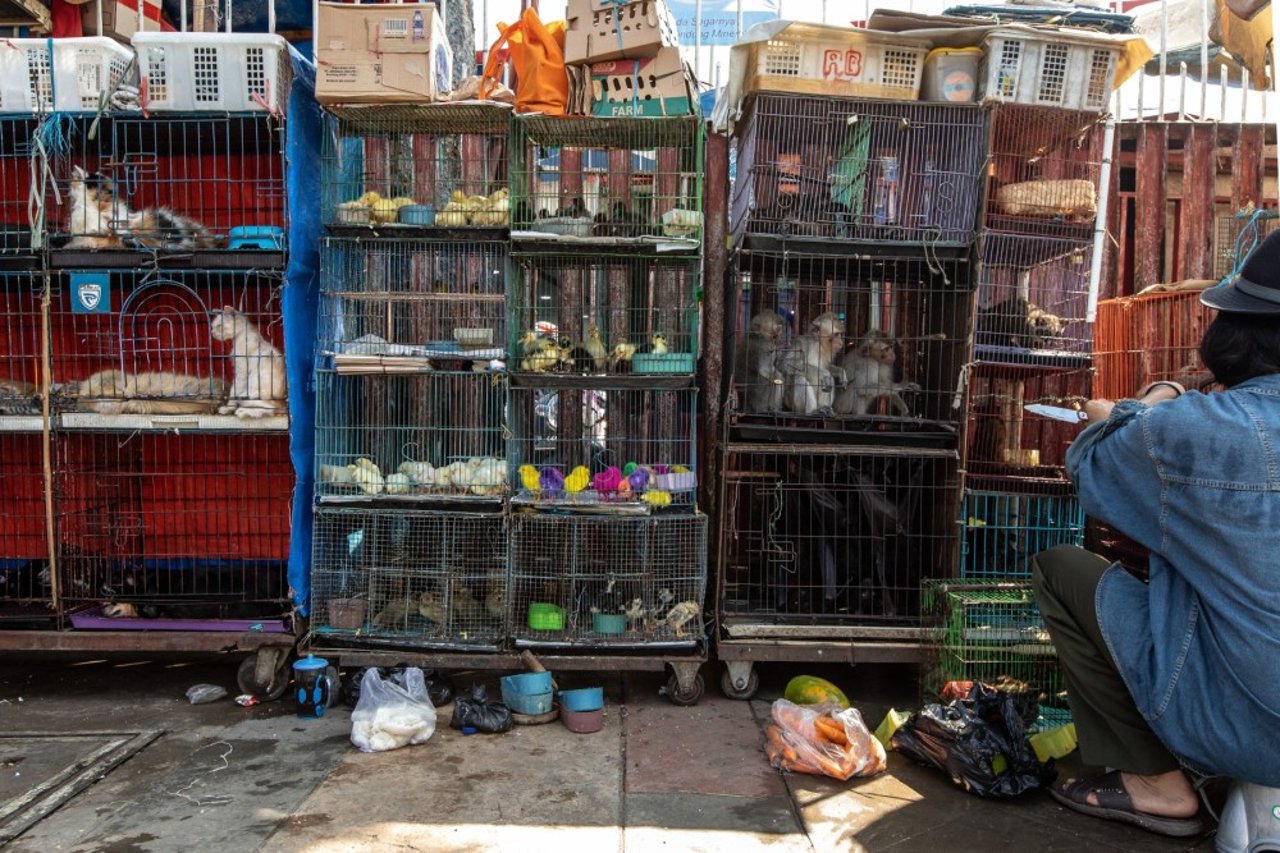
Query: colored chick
(579, 478)
(657, 498)
(529, 478)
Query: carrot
(778, 743)
(831, 730)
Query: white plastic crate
(217, 72)
(1049, 69)
(64, 75)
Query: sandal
(1114, 804)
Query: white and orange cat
(100, 219)
(114, 392)
(258, 388)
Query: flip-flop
(1114, 804)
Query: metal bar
(140, 641)
(459, 660)
(1100, 225)
(813, 651)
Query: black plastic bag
(438, 687)
(481, 714)
(979, 741)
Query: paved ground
(658, 777)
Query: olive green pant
(1112, 731)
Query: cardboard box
(661, 85)
(599, 32)
(381, 54)
(120, 18)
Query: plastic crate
(819, 60)
(1058, 70)
(66, 75)
(222, 72)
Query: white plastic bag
(389, 716)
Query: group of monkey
(812, 374)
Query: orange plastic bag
(537, 52)
(822, 740)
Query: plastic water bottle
(419, 26)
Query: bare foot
(1164, 794)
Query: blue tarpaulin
(299, 308)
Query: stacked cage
(849, 312)
(608, 544)
(412, 478)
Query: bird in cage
(868, 370)
(431, 608)
(258, 386)
(596, 349)
(681, 615)
(579, 478)
(538, 354)
(620, 357)
(366, 474)
(421, 474)
(658, 344)
(100, 219)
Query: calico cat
(1016, 322)
(18, 398)
(258, 388)
(114, 392)
(100, 219)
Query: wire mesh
(1009, 449)
(1140, 339)
(21, 345)
(1033, 296)
(410, 577)
(25, 582)
(402, 305)
(611, 581)
(1003, 531)
(1235, 236)
(613, 179)
(838, 343)
(606, 448)
(166, 184)
(992, 632)
(581, 314)
(1044, 169)
(816, 536)
(848, 169)
(138, 342)
(181, 525)
(413, 437)
(16, 158)
(443, 166)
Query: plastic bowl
(473, 337)
(609, 623)
(525, 684)
(670, 362)
(546, 617)
(529, 704)
(263, 237)
(417, 214)
(582, 722)
(582, 699)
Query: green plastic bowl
(546, 617)
(671, 362)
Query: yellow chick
(595, 347)
(657, 498)
(529, 478)
(659, 344)
(577, 480)
(621, 355)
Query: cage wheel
(247, 678)
(747, 691)
(685, 699)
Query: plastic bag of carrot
(822, 740)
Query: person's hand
(1098, 410)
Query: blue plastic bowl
(417, 214)
(531, 704)
(583, 699)
(525, 684)
(264, 237)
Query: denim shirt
(1197, 481)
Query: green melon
(810, 690)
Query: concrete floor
(657, 777)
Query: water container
(951, 74)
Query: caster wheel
(247, 679)
(747, 691)
(685, 699)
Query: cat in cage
(101, 219)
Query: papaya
(811, 690)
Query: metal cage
(171, 185)
(822, 536)
(1033, 297)
(17, 152)
(1002, 531)
(22, 343)
(400, 305)
(616, 180)
(866, 346)
(410, 577)
(414, 437)
(607, 581)
(581, 314)
(846, 169)
(442, 166)
(1009, 449)
(992, 631)
(26, 592)
(608, 448)
(180, 525)
(168, 348)
(1140, 339)
(1044, 170)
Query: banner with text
(719, 19)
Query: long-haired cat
(258, 388)
(100, 219)
(18, 398)
(114, 392)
